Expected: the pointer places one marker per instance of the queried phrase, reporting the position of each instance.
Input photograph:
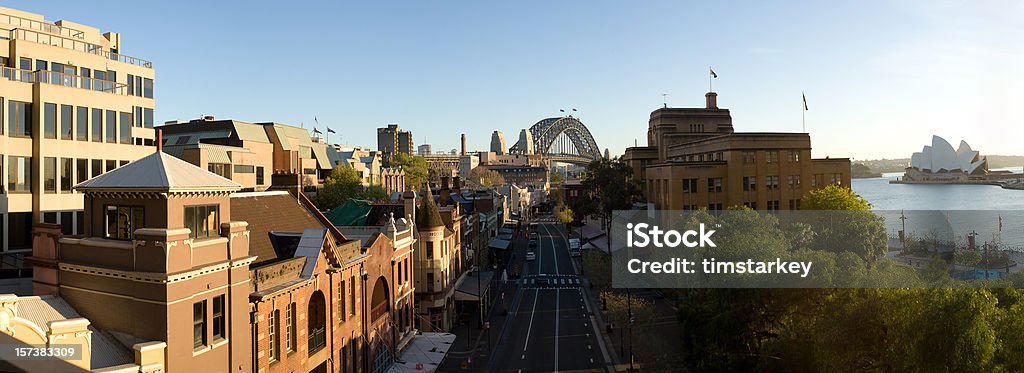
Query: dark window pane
(147, 120)
(50, 120)
(97, 124)
(66, 119)
(81, 170)
(111, 128)
(19, 118)
(67, 222)
(125, 132)
(97, 167)
(66, 171)
(50, 175)
(19, 228)
(111, 165)
(82, 122)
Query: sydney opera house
(939, 163)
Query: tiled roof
(429, 216)
(159, 172)
(270, 212)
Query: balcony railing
(67, 80)
(378, 311)
(41, 26)
(317, 340)
(78, 45)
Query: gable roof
(159, 172)
(268, 212)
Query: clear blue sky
(880, 77)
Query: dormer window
(122, 221)
(202, 220)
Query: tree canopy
(345, 183)
(486, 177)
(415, 167)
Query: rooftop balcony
(41, 26)
(67, 80)
(75, 44)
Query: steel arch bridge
(577, 146)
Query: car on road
(531, 256)
(533, 243)
(534, 235)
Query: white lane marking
(532, 313)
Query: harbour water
(948, 211)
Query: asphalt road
(549, 328)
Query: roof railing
(41, 26)
(67, 80)
(78, 45)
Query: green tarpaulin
(352, 212)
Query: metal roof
(159, 172)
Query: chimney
(712, 99)
(463, 144)
(159, 140)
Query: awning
(468, 286)
(498, 244)
(425, 352)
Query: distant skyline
(881, 77)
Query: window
(203, 220)
(715, 184)
(773, 157)
(430, 250)
(259, 176)
(19, 228)
(750, 205)
(430, 282)
(131, 84)
(749, 184)
(50, 120)
(147, 118)
(244, 169)
(97, 167)
(97, 125)
(67, 223)
(122, 221)
(222, 169)
(111, 135)
(218, 318)
(80, 221)
(19, 118)
(66, 118)
(689, 185)
(794, 156)
(82, 130)
(124, 133)
(147, 88)
(771, 182)
(341, 301)
(19, 174)
(289, 325)
(274, 347)
(352, 296)
(50, 175)
(749, 157)
(773, 205)
(138, 86)
(111, 165)
(793, 181)
(198, 324)
(714, 207)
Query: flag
(573, 109)
(316, 131)
(713, 75)
(805, 100)
(329, 130)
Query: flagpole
(710, 87)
